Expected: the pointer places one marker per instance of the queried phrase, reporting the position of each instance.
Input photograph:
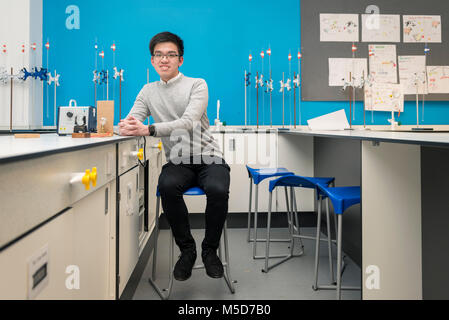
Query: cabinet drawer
(127, 157)
(34, 190)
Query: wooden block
(81, 135)
(27, 135)
(101, 135)
(105, 109)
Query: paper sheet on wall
(382, 63)
(339, 27)
(422, 28)
(381, 28)
(438, 78)
(412, 74)
(339, 69)
(384, 97)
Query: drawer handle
(86, 178)
(93, 177)
(157, 146)
(138, 154)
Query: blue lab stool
(256, 176)
(194, 191)
(295, 181)
(342, 198)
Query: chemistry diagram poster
(382, 63)
(384, 97)
(340, 68)
(412, 74)
(339, 27)
(438, 79)
(381, 28)
(422, 28)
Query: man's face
(166, 60)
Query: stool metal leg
(267, 242)
(255, 221)
(317, 244)
(249, 210)
(329, 242)
(227, 275)
(338, 285)
(156, 236)
(153, 274)
(340, 225)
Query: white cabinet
(79, 250)
(16, 276)
(94, 244)
(128, 225)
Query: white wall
(21, 24)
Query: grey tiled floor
(292, 280)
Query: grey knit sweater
(179, 109)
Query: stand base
(284, 129)
(422, 129)
(349, 129)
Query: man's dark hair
(167, 37)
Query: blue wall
(218, 37)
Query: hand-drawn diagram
(438, 78)
(422, 28)
(381, 28)
(339, 27)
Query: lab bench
(69, 233)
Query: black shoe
(213, 265)
(183, 268)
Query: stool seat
(260, 174)
(194, 191)
(299, 181)
(342, 197)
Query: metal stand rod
(10, 106)
(294, 100)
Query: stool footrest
(271, 240)
(288, 257)
(312, 238)
(334, 287)
(158, 290)
(278, 256)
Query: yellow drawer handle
(140, 154)
(86, 179)
(158, 146)
(93, 177)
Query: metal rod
(245, 97)
(271, 102)
(120, 114)
(10, 106)
(55, 101)
(257, 95)
(350, 102)
(294, 100)
(283, 89)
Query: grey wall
(341, 158)
(315, 67)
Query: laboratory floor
(291, 280)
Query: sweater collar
(179, 75)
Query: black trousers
(214, 179)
